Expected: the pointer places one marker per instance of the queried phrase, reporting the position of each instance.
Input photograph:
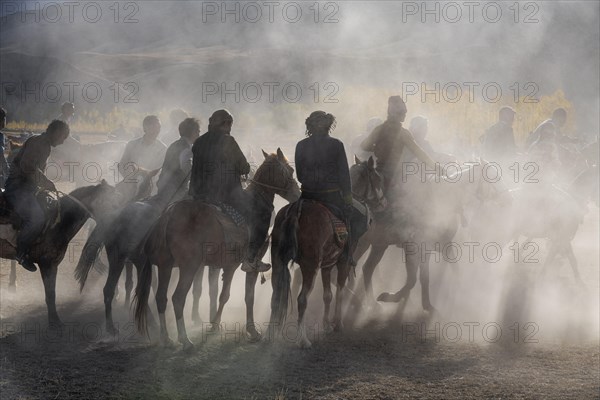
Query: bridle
(364, 197)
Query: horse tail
(90, 253)
(142, 293)
(284, 249)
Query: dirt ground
(380, 355)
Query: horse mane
(84, 191)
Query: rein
(76, 201)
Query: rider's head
(559, 117)
(221, 122)
(151, 125)
(67, 109)
(319, 123)
(418, 126)
(2, 118)
(507, 115)
(396, 108)
(189, 128)
(58, 131)
(176, 116)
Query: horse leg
(327, 296)
(373, 260)
(296, 282)
(114, 273)
(128, 282)
(308, 280)
(224, 297)
(197, 293)
(253, 334)
(12, 282)
(213, 290)
(573, 263)
(424, 279)
(49, 272)
(164, 276)
(412, 265)
(186, 278)
(552, 252)
(342, 277)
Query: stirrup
(255, 266)
(26, 263)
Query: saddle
(336, 217)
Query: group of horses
(192, 235)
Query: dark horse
(126, 192)
(306, 235)
(130, 190)
(191, 234)
(49, 250)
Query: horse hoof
(304, 344)
(56, 324)
(111, 330)
(187, 345)
(166, 342)
(213, 328)
(338, 327)
(388, 298)
(253, 336)
(327, 328)
(430, 309)
(196, 319)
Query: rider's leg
(32, 217)
(259, 232)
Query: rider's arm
(125, 160)
(344, 174)
(185, 161)
(34, 156)
(369, 143)
(237, 156)
(409, 142)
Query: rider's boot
(25, 262)
(255, 266)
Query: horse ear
(280, 155)
(103, 182)
(264, 154)
(356, 159)
(371, 162)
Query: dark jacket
(29, 164)
(322, 167)
(173, 180)
(218, 163)
(499, 142)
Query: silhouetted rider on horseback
(388, 140)
(322, 168)
(26, 178)
(174, 176)
(217, 166)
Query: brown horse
(305, 233)
(49, 250)
(191, 234)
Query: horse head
(276, 174)
(97, 199)
(487, 182)
(367, 184)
